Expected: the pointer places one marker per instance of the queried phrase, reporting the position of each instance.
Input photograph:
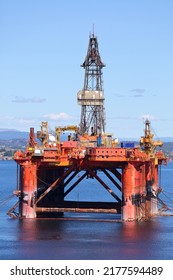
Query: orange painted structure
(49, 171)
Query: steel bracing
(91, 98)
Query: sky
(44, 42)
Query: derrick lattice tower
(91, 98)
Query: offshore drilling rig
(50, 169)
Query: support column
(143, 190)
(152, 188)
(133, 191)
(28, 186)
(140, 191)
(154, 199)
(137, 196)
(128, 190)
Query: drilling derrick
(91, 98)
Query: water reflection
(139, 239)
(89, 239)
(30, 230)
(94, 237)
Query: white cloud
(55, 117)
(15, 122)
(24, 121)
(138, 90)
(21, 99)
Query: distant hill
(16, 140)
(7, 134)
(164, 139)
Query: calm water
(84, 236)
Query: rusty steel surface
(77, 210)
(137, 181)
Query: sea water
(84, 236)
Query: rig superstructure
(50, 169)
(91, 98)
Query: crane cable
(3, 202)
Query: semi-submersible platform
(50, 168)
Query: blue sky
(43, 43)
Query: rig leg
(128, 190)
(133, 192)
(138, 192)
(28, 184)
(152, 188)
(143, 191)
